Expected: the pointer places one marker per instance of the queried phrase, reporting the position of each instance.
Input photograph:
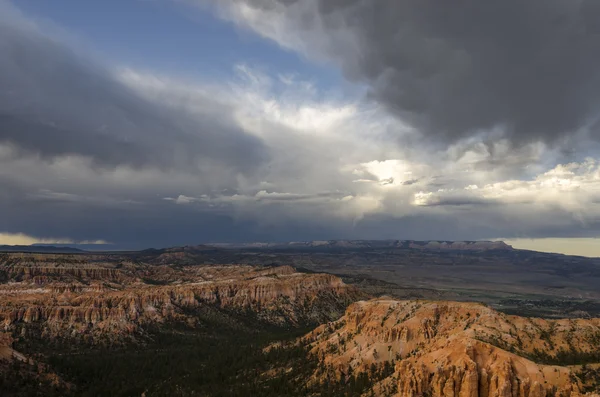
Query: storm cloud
(56, 102)
(91, 150)
(526, 70)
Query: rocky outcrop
(456, 349)
(70, 298)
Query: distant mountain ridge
(350, 244)
(40, 249)
(313, 245)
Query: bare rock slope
(456, 349)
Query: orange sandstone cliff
(455, 349)
(93, 299)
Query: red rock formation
(454, 349)
(68, 297)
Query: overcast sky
(157, 123)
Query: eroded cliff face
(455, 349)
(96, 300)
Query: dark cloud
(54, 102)
(453, 68)
(152, 225)
(57, 102)
(88, 154)
(410, 182)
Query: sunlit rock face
(99, 299)
(455, 349)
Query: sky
(152, 123)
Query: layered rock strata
(456, 349)
(68, 297)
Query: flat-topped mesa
(122, 306)
(456, 349)
(461, 245)
(370, 244)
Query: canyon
(212, 320)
